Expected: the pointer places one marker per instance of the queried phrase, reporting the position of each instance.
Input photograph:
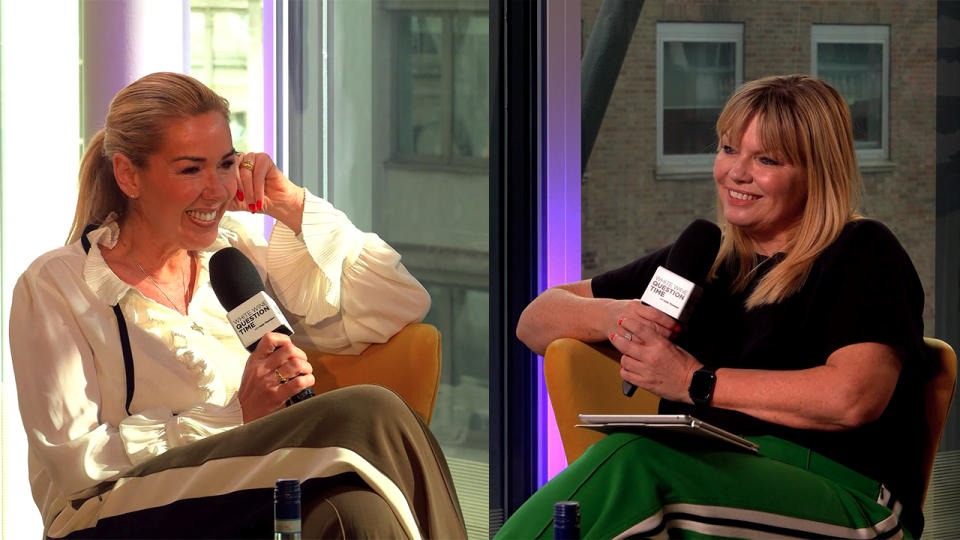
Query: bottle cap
(566, 511)
(286, 499)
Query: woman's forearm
(852, 389)
(567, 311)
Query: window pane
(225, 53)
(471, 51)
(420, 95)
(856, 71)
(697, 79)
(405, 96)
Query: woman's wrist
(288, 209)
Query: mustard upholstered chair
(408, 364)
(938, 396)
(585, 378)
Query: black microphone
(675, 287)
(250, 310)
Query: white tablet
(668, 422)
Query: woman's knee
(350, 511)
(372, 395)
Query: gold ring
(280, 377)
(247, 165)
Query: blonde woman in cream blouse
(207, 432)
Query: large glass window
(854, 60)
(699, 65)
(390, 98)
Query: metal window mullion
(447, 84)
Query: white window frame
(871, 34)
(669, 165)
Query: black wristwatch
(701, 386)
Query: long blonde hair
(808, 122)
(136, 121)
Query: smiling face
(179, 196)
(759, 191)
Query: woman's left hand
(262, 187)
(651, 361)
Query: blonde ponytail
(98, 191)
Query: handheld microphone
(675, 288)
(250, 310)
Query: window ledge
(683, 173)
(876, 166)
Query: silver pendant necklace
(157, 285)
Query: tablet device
(683, 423)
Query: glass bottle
(286, 510)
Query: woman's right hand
(662, 323)
(275, 371)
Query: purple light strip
(560, 202)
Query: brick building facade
(630, 208)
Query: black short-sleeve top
(862, 288)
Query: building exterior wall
(627, 211)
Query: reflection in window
(471, 43)
(441, 71)
(851, 58)
(697, 78)
(699, 66)
(226, 49)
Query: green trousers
(630, 486)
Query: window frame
(447, 159)
(684, 164)
(860, 34)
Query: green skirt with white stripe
(630, 486)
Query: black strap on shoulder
(121, 326)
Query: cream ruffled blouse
(340, 288)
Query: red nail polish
(239, 195)
(259, 206)
(253, 208)
(611, 336)
(619, 321)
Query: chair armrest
(408, 363)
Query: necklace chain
(157, 285)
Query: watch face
(701, 386)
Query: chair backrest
(938, 395)
(409, 364)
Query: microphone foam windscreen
(693, 253)
(233, 277)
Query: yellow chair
(408, 364)
(937, 397)
(585, 378)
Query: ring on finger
(628, 336)
(247, 165)
(280, 377)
